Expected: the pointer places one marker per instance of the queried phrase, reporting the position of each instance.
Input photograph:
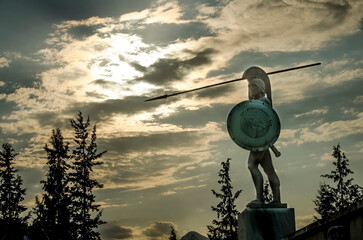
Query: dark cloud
(113, 231)
(166, 70)
(334, 98)
(150, 142)
(20, 73)
(105, 84)
(96, 95)
(50, 119)
(242, 61)
(157, 230)
(133, 170)
(338, 12)
(104, 110)
(217, 91)
(25, 25)
(83, 31)
(200, 117)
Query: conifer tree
(331, 200)
(85, 157)
(37, 230)
(12, 224)
(53, 212)
(226, 224)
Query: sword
(226, 82)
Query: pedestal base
(265, 223)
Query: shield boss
(253, 125)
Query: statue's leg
(273, 179)
(253, 161)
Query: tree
(331, 200)
(326, 202)
(12, 224)
(84, 157)
(172, 234)
(267, 194)
(37, 230)
(53, 212)
(225, 227)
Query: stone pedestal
(265, 223)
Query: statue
(256, 90)
(255, 126)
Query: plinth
(265, 223)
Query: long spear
(229, 81)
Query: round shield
(253, 125)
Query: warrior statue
(255, 126)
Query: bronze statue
(255, 126)
(257, 91)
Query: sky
(104, 58)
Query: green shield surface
(253, 125)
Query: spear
(229, 81)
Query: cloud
(4, 62)
(358, 99)
(324, 132)
(318, 21)
(198, 116)
(106, 109)
(313, 112)
(114, 231)
(152, 142)
(215, 92)
(167, 70)
(105, 84)
(179, 189)
(167, 12)
(158, 230)
(141, 162)
(327, 157)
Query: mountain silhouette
(193, 236)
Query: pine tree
(172, 234)
(53, 212)
(267, 194)
(12, 224)
(225, 227)
(84, 157)
(326, 202)
(37, 230)
(331, 200)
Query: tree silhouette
(84, 157)
(12, 225)
(172, 234)
(331, 200)
(225, 227)
(53, 211)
